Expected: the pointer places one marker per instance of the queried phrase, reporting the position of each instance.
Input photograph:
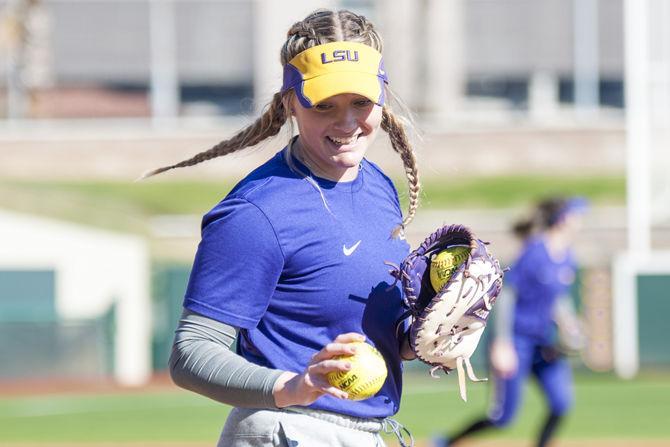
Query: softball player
(292, 262)
(528, 319)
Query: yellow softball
(444, 263)
(366, 376)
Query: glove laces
(391, 426)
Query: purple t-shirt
(293, 272)
(538, 281)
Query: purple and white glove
(448, 323)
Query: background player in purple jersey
(531, 312)
(292, 261)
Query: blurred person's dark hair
(547, 213)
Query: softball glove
(448, 323)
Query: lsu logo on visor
(340, 56)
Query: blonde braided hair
(268, 125)
(320, 27)
(396, 131)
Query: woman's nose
(346, 120)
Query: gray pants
(298, 428)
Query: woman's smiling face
(334, 135)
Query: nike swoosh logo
(349, 251)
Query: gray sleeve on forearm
(201, 361)
(504, 319)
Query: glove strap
(462, 364)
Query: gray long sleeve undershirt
(201, 361)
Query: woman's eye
(363, 103)
(323, 107)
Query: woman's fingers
(349, 337)
(342, 345)
(327, 366)
(336, 392)
(324, 362)
(317, 376)
(333, 349)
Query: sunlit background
(512, 101)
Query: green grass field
(125, 206)
(607, 409)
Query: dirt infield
(564, 443)
(560, 443)
(420, 443)
(41, 387)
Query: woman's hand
(303, 389)
(406, 352)
(504, 360)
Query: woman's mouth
(343, 141)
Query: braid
(360, 26)
(300, 29)
(267, 125)
(324, 26)
(396, 131)
(300, 37)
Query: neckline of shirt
(349, 186)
